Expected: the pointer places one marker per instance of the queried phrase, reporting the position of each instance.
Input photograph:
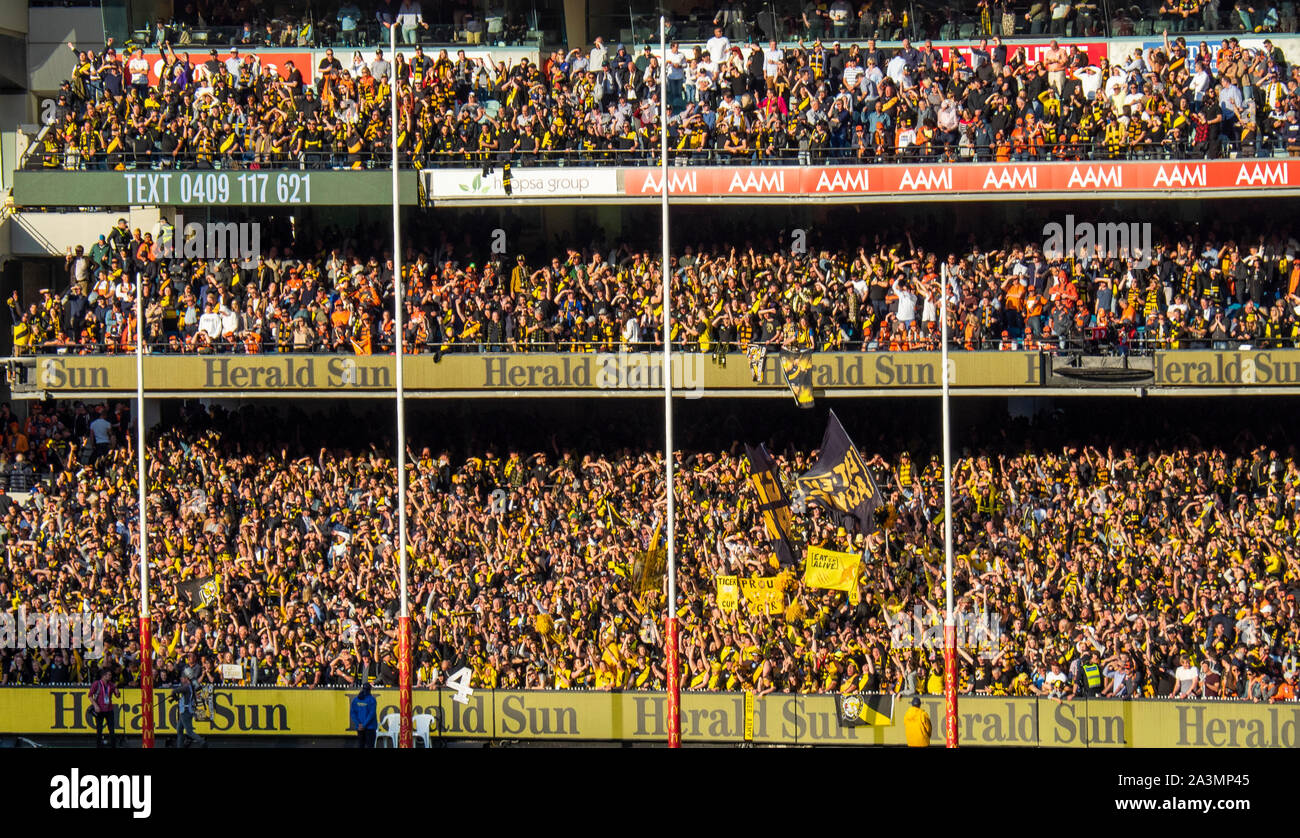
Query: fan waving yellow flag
(832, 570)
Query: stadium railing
(925, 19)
(37, 159)
(1134, 341)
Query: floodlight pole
(146, 639)
(404, 616)
(670, 620)
(949, 621)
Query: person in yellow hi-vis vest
(917, 724)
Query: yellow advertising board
(609, 373)
(706, 717)
(1108, 723)
(625, 373)
(1196, 368)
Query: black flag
(773, 503)
(203, 593)
(865, 709)
(796, 365)
(841, 481)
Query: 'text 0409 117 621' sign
(185, 188)
(213, 188)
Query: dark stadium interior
(934, 225)
(546, 231)
(887, 425)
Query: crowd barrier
(1264, 176)
(722, 718)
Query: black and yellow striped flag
(865, 709)
(796, 365)
(772, 502)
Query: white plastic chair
(423, 726)
(389, 728)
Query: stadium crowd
(1169, 565)
(728, 103)
(1201, 289)
(344, 23)
(352, 23)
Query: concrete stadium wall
(49, 61)
(52, 233)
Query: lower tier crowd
(1156, 568)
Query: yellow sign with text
(727, 593)
(831, 570)
(776, 718)
(764, 594)
(1198, 368)
(630, 372)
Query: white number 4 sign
(459, 681)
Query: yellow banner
(728, 593)
(831, 570)
(764, 594)
(648, 567)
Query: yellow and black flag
(202, 593)
(649, 565)
(773, 503)
(756, 353)
(612, 517)
(421, 192)
(841, 481)
(865, 709)
(796, 365)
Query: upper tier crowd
(1207, 290)
(367, 23)
(1164, 568)
(734, 103)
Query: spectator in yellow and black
(25, 336)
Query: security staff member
(917, 724)
(1089, 679)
